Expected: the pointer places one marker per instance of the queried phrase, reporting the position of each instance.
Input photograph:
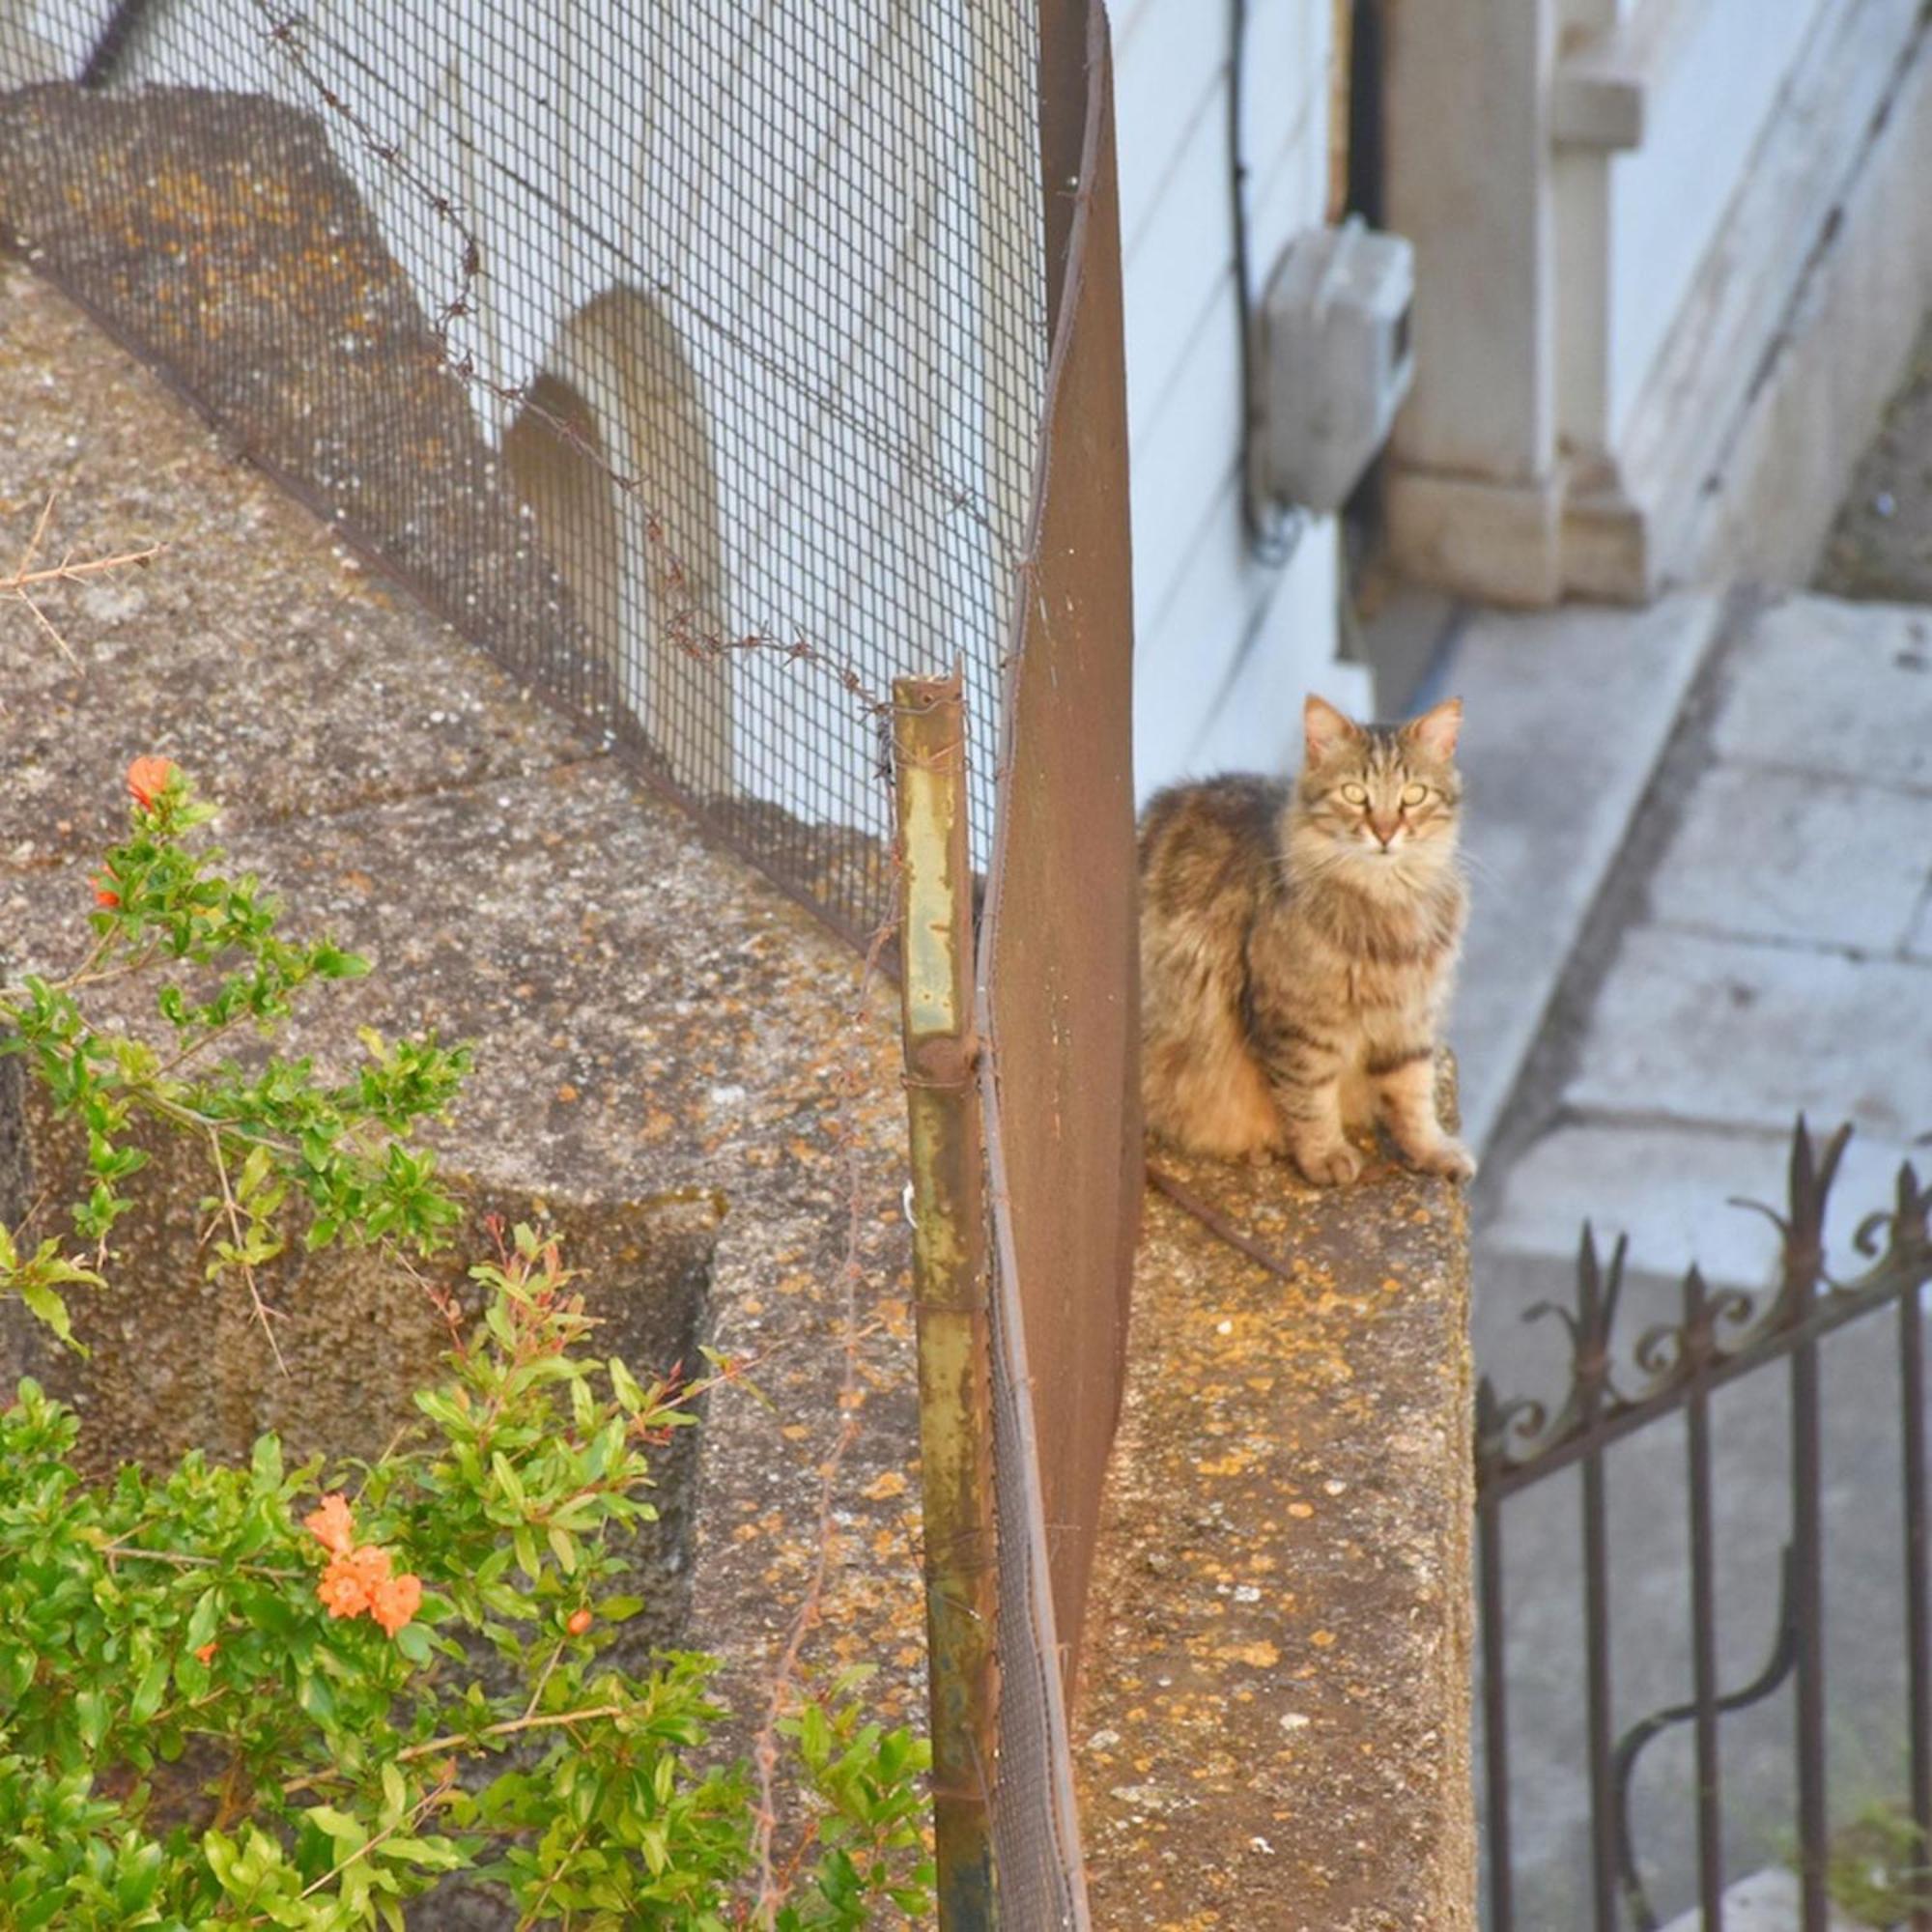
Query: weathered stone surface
(1716, 1030)
(1823, 686)
(1274, 1730)
(1784, 856)
(657, 1029)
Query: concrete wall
(1667, 197)
(1226, 647)
(1596, 282)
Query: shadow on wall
(617, 403)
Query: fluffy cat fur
(1298, 947)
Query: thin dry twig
(462, 1741)
(25, 578)
(765, 1746)
(426, 1803)
(231, 1208)
(534, 1915)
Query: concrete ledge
(660, 1034)
(1498, 541)
(1273, 1727)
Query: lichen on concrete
(1273, 1727)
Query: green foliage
(219, 964)
(1877, 1869)
(215, 1709)
(187, 1737)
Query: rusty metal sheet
(1060, 957)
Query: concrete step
(1668, 1189)
(1768, 1901)
(1566, 715)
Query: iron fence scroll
(1718, 1338)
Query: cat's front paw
(1330, 1164)
(1450, 1160)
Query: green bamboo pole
(950, 1284)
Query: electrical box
(1332, 363)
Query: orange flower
(331, 1525)
(580, 1622)
(343, 1592)
(395, 1600)
(204, 1652)
(104, 892)
(370, 1566)
(148, 778)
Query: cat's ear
(1435, 731)
(1325, 729)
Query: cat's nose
(1384, 829)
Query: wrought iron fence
(1718, 1339)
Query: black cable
(1274, 529)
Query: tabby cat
(1297, 944)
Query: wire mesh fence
(694, 360)
(675, 355)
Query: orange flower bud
(204, 1651)
(331, 1525)
(580, 1622)
(148, 778)
(395, 1600)
(103, 892)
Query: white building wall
(1226, 647)
(1726, 70)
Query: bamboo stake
(950, 1284)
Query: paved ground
(1704, 905)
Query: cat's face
(1381, 797)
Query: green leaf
(90, 1710)
(44, 1305)
(204, 1620)
(507, 1480)
(624, 1386)
(150, 1691)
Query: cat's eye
(1355, 794)
(1414, 794)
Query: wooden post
(950, 1284)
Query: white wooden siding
(1226, 647)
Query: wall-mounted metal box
(1332, 362)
